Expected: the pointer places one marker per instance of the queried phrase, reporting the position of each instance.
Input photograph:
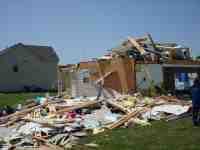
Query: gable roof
(43, 53)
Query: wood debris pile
(145, 48)
(60, 122)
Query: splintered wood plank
(127, 117)
(85, 105)
(137, 45)
(152, 42)
(114, 104)
(124, 119)
(55, 147)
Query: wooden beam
(170, 48)
(48, 144)
(104, 76)
(87, 65)
(127, 117)
(114, 104)
(141, 39)
(22, 113)
(124, 119)
(137, 45)
(85, 105)
(152, 42)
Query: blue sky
(81, 29)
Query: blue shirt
(196, 96)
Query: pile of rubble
(59, 122)
(146, 48)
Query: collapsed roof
(146, 48)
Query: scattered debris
(92, 145)
(96, 102)
(61, 122)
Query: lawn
(16, 98)
(174, 135)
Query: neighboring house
(28, 67)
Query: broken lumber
(152, 42)
(24, 112)
(47, 143)
(121, 108)
(137, 45)
(48, 124)
(85, 105)
(103, 77)
(9, 123)
(182, 116)
(169, 48)
(125, 118)
(141, 39)
(19, 113)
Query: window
(184, 80)
(86, 80)
(84, 75)
(15, 68)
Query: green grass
(174, 135)
(16, 98)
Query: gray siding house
(28, 67)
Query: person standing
(196, 102)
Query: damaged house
(82, 108)
(136, 64)
(28, 68)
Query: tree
(198, 57)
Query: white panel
(150, 72)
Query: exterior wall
(117, 73)
(113, 82)
(129, 66)
(31, 72)
(153, 73)
(122, 77)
